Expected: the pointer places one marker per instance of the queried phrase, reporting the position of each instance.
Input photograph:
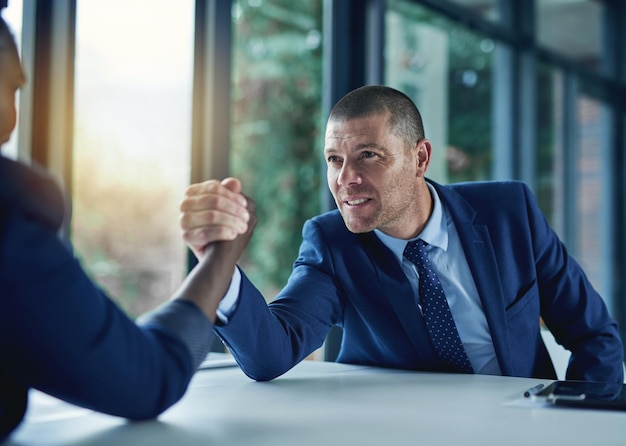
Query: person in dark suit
(500, 265)
(59, 332)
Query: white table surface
(334, 404)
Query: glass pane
(276, 137)
(487, 9)
(446, 70)
(132, 141)
(578, 213)
(12, 14)
(572, 28)
(549, 188)
(590, 191)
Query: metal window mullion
(619, 178)
(570, 161)
(503, 100)
(607, 210)
(210, 132)
(618, 261)
(527, 102)
(344, 58)
(47, 102)
(375, 41)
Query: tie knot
(416, 251)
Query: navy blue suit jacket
(521, 269)
(61, 334)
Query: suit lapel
(397, 289)
(481, 259)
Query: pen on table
(533, 390)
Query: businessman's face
(11, 79)
(375, 178)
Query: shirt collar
(435, 233)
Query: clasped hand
(215, 211)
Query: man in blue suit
(501, 266)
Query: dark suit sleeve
(267, 340)
(572, 309)
(59, 333)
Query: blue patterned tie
(439, 321)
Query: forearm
(266, 340)
(208, 282)
(210, 279)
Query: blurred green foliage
(276, 134)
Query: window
(550, 157)
(132, 145)
(490, 94)
(572, 185)
(446, 69)
(590, 190)
(276, 147)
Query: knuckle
(212, 185)
(218, 201)
(184, 221)
(182, 207)
(211, 217)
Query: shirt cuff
(228, 304)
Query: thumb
(232, 184)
